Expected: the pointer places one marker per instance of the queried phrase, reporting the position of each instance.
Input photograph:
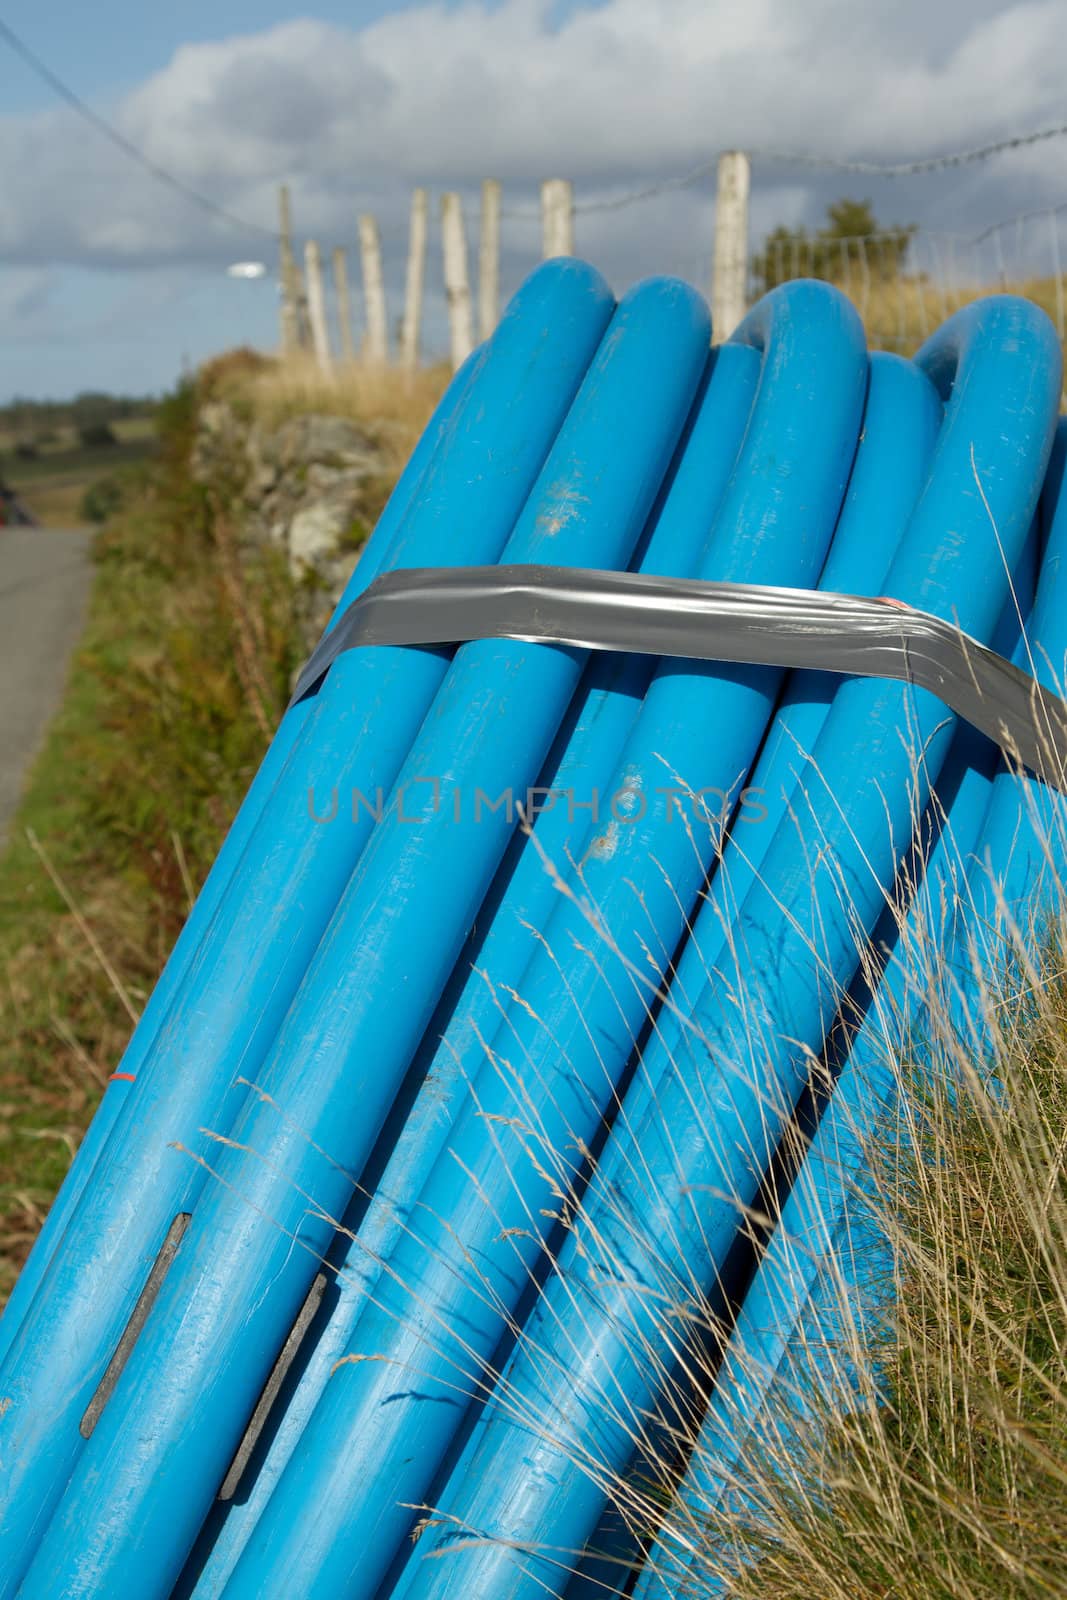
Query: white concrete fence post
(557, 217)
(376, 337)
(411, 330)
(489, 260)
(320, 337)
(729, 283)
(457, 280)
(344, 304)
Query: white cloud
(615, 96)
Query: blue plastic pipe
(373, 559)
(255, 1237)
(581, 766)
(455, 1278)
(664, 1206)
(1002, 856)
(901, 419)
(257, 945)
(779, 1328)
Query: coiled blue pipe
(999, 861)
(458, 1273)
(708, 1129)
(280, 897)
(330, 965)
(588, 750)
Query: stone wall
(311, 487)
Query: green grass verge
(181, 674)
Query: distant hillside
(29, 427)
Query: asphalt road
(44, 585)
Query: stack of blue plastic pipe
(448, 1112)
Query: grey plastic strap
(730, 622)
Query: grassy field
(64, 439)
(52, 484)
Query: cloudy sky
(110, 278)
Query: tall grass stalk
(913, 1442)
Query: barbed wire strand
(794, 158)
(906, 169)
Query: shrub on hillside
(96, 435)
(106, 495)
(795, 253)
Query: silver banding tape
(736, 623)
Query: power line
(119, 140)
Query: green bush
(103, 497)
(795, 253)
(96, 436)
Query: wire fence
(902, 287)
(904, 281)
(904, 293)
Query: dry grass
(899, 311)
(913, 1444)
(391, 405)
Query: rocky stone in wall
(311, 487)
